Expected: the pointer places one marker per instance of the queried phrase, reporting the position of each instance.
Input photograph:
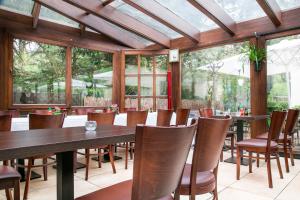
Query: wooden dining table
(63, 142)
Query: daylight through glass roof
(242, 10)
(20, 6)
(288, 4)
(189, 13)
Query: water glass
(90, 125)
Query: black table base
(244, 161)
(105, 158)
(34, 175)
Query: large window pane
(92, 73)
(161, 64)
(217, 77)
(38, 73)
(131, 86)
(131, 64)
(288, 4)
(147, 86)
(161, 85)
(20, 6)
(283, 73)
(146, 65)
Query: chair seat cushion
(256, 143)
(281, 137)
(120, 191)
(7, 172)
(205, 181)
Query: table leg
(65, 175)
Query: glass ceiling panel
(242, 10)
(127, 9)
(189, 13)
(288, 4)
(19, 6)
(55, 17)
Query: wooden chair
(285, 138)
(37, 121)
(182, 116)
(267, 147)
(164, 117)
(153, 177)
(14, 113)
(133, 118)
(200, 177)
(208, 113)
(83, 111)
(9, 177)
(101, 119)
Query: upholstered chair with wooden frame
(285, 139)
(13, 113)
(200, 177)
(164, 117)
(133, 118)
(155, 181)
(182, 116)
(37, 121)
(101, 119)
(268, 147)
(9, 177)
(208, 112)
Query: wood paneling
(118, 18)
(272, 10)
(69, 77)
(258, 92)
(117, 66)
(244, 30)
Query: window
(283, 73)
(38, 73)
(20, 6)
(146, 82)
(92, 73)
(216, 77)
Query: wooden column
(176, 85)
(69, 77)
(258, 87)
(116, 90)
(2, 88)
(122, 82)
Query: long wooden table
(63, 142)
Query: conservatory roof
(141, 23)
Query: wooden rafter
(213, 11)
(82, 28)
(92, 22)
(166, 17)
(272, 10)
(107, 2)
(118, 18)
(35, 14)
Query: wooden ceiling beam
(118, 18)
(107, 2)
(272, 10)
(213, 11)
(166, 17)
(92, 22)
(35, 14)
(82, 28)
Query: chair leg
(221, 156)
(238, 163)
(111, 158)
(8, 194)
(232, 145)
(87, 163)
(269, 170)
(291, 154)
(257, 160)
(126, 155)
(28, 176)
(45, 171)
(250, 162)
(285, 150)
(99, 158)
(17, 190)
(192, 197)
(131, 150)
(279, 166)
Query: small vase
(257, 66)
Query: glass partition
(92, 73)
(217, 77)
(38, 73)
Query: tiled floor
(251, 186)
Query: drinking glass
(90, 125)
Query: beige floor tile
(235, 194)
(292, 190)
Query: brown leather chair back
(164, 117)
(83, 111)
(37, 121)
(206, 112)
(136, 117)
(277, 122)
(182, 116)
(291, 121)
(209, 141)
(102, 118)
(5, 122)
(160, 156)
(41, 112)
